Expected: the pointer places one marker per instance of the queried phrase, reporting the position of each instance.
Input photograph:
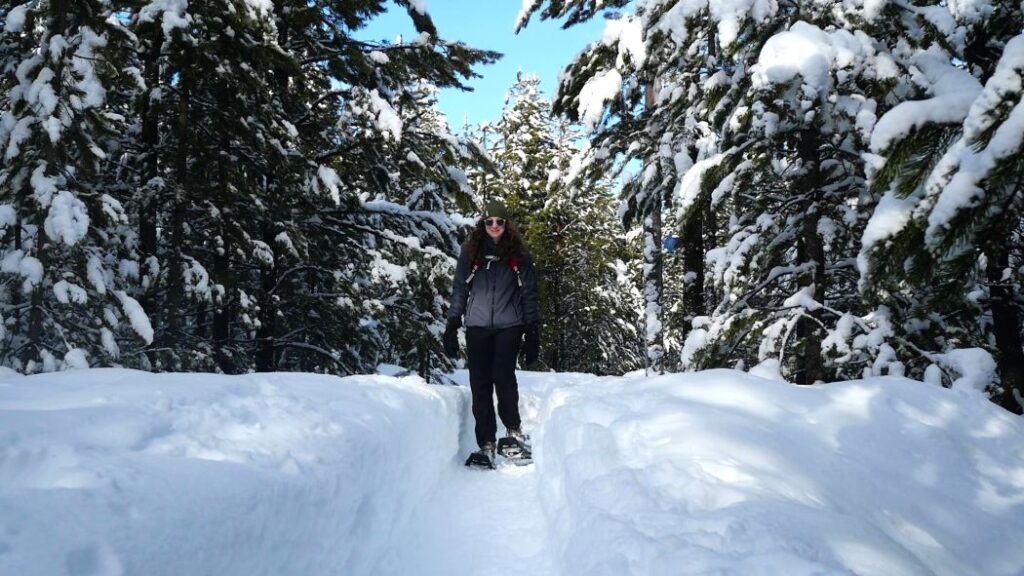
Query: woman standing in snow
(495, 291)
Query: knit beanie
(496, 208)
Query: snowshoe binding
(516, 447)
(482, 458)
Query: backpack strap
(477, 264)
(513, 263)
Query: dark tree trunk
(42, 247)
(55, 157)
(266, 333)
(222, 272)
(811, 249)
(426, 348)
(709, 242)
(222, 312)
(35, 313)
(1005, 325)
(266, 360)
(175, 276)
(16, 295)
(693, 269)
(149, 209)
(694, 229)
(558, 353)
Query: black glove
(531, 344)
(451, 337)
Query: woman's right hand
(451, 338)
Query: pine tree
(758, 164)
(415, 238)
(275, 171)
(271, 238)
(611, 89)
(945, 233)
(63, 298)
(578, 247)
(792, 185)
(202, 172)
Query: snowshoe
(516, 448)
(482, 458)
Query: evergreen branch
(277, 343)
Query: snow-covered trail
(114, 472)
(480, 522)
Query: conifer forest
(833, 190)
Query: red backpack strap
(513, 263)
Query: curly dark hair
(510, 244)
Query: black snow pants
(492, 367)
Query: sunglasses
(494, 222)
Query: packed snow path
(117, 472)
(482, 522)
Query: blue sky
(542, 48)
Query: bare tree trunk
(811, 249)
(16, 295)
(654, 339)
(558, 352)
(653, 289)
(222, 311)
(266, 358)
(1005, 325)
(222, 272)
(424, 346)
(35, 313)
(176, 270)
(265, 334)
(42, 246)
(693, 269)
(709, 241)
(149, 210)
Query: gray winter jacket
(493, 297)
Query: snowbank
(116, 472)
(725, 473)
(109, 472)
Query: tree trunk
(1005, 325)
(175, 275)
(222, 312)
(425, 347)
(693, 269)
(265, 361)
(42, 247)
(16, 295)
(811, 249)
(222, 272)
(35, 313)
(653, 289)
(55, 159)
(149, 207)
(654, 340)
(266, 358)
(709, 241)
(266, 333)
(557, 347)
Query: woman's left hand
(531, 344)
